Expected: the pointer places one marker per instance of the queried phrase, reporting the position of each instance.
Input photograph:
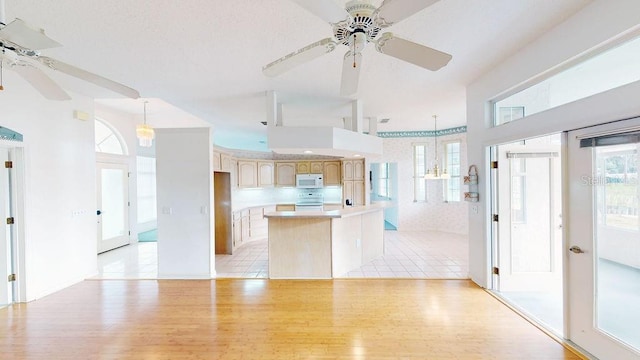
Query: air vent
(384, 121)
(263, 123)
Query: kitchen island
(324, 244)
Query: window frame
(419, 182)
(452, 178)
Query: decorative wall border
(8, 134)
(422, 133)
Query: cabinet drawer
(285, 207)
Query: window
(146, 189)
(383, 180)
(606, 70)
(452, 185)
(107, 139)
(419, 169)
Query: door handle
(576, 249)
(98, 212)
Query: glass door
(529, 237)
(113, 206)
(603, 250)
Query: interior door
(113, 206)
(5, 235)
(603, 250)
(529, 209)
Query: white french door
(113, 205)
(6, 287)
(529, 227)
(603, 247)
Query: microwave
(309, 181)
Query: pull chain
(354, 50)
(1, 70)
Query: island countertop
(339, 213)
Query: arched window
(108, 140)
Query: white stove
(310, 201)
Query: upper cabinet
(226, 162)
(265, 174)
(316, 167)
(217, 165)
(331, 173)
(285, 173)
(247, 174)
(353, 169)
(303, 167)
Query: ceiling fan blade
(393, 11)
(299, 57)
(40, 81)
(20, 33)
(326, 10)
(409, 51)
(350, 73)
(89, 77)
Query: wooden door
(222, 212)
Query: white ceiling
(206, 56)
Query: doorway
(528, 258)
(384, 187)
(112, 205)
(603, 247)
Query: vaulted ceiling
(205, 57)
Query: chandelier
(436, 173)
(145, 132)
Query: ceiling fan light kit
(355, 26)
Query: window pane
(419, 168)
(604, 71)
(106, 140)
(452, 186)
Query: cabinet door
(358, 169)
(331, 173)
(303, 167)
(358, 193)
(285, 174)
(217, 164)
(265, 173)
(347, 191)
(245, 226)
(247, 174)
(237, 233)
(347, 170)
(316, 167)
(226, 163)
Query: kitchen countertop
(340, 213)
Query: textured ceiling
(206, 56)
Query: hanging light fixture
(435, 173)
(145, 132)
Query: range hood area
(322, 140)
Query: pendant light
(145, 132)
(435, 173)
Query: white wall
(185, 207)
(593, 25)
(60, 247)
(434, 214)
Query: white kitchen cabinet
(285, 174)
(265, 174)
(247, 174)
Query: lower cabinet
(249, 224)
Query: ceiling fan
(355, 26)
(20, 47)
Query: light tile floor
(423, 255)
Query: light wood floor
(271, 319)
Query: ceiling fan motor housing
(360, 29)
